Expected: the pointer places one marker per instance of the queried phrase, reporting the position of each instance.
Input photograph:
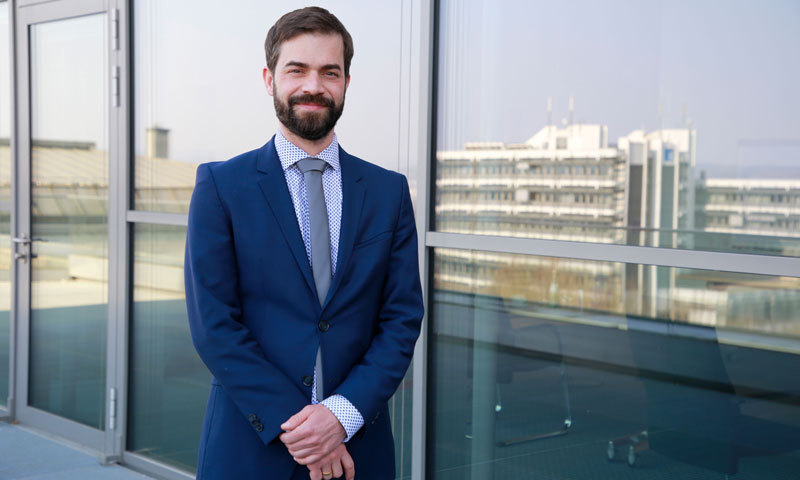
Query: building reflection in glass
(571, 184)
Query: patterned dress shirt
(289, 154)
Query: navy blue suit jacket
(256, 321)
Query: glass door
(67, 92)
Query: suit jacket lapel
(352, 200)
(273, 186)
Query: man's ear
(346, 83)
(269, 81)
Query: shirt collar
(289, 153)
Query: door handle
(24, 256)
(25, 241)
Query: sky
(198, 73)
(732, 65)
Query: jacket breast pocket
(374, 239)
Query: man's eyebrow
(329, 66)
(293, 63)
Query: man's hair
(306, 20)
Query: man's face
(308, 85)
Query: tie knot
(311, 164)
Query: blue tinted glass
(69, 218)
(169, 384)
(641, 123)
(558, 368)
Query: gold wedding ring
(326, 473)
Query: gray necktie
(320, 240)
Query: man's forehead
(301, 44)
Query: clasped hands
(315, 438)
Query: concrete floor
(27, 455)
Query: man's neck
(311, 147)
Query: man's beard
(311, 125)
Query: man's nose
(312, 83)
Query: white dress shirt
(289, 154)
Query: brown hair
(306, 20)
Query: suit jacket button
(258, 427)
(252, 417)
(308, 380)
(324, 326)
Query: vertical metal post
(420, 85)
(119, 180)
(12, 338)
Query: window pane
(5, 200)
(544, 367)
(640, 123)
(169, 384)
(69, 218)
(199, 95)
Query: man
(302, 281)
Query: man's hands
(333, 465)
(312, 434)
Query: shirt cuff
(346, 413)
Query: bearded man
(302, 281)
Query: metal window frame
(26, 13)
(8, 411)
(157, 218)
(118, 343)
(663, 257)
(421, 95)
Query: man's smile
(311, 106)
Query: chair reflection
(516, 345)
(694, 413)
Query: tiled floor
(26, 455)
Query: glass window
(668, 104)
(169, 384)
(548, 367)
(199, 95)
(69, 216)
(5, 199)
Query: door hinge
(112, 408)
(115, 86)
(114, 29)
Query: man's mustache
(318, 99)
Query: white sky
(732, 64)
(199, 75)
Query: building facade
(620, 287)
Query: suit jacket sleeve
(375, 378)
(263, 393)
